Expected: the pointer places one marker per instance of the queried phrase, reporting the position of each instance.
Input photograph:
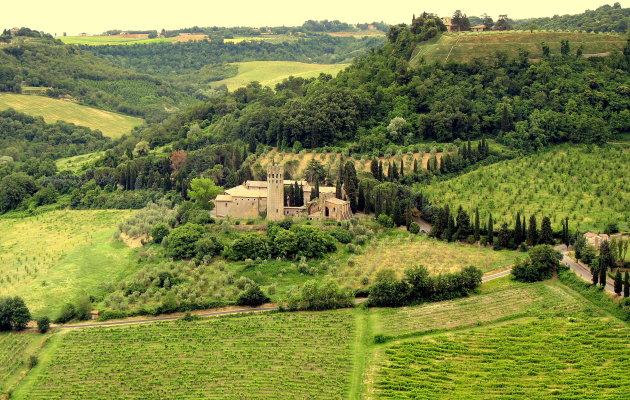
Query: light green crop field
(590, 185)
(109, 40)
(468, 45)
(49, 259)
(110, 124)
(14, 352)
(540, 341)
(74, 163)
(402, 250)
(270, 73)
(276, 356)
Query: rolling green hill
(110, 124)
(270, 73)
(468, 45)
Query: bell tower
(275, 192)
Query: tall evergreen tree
(415, 166)
(402, 167)
(450, 227)
(394, 172)
(517, 230)
(602, 273)
(374, 168)
(390, 174)
(490, 230)
(546, 233)
(463, 224)
(618, 283)
(565, 231)
(524, 229)
(595, 271)
(315, 191)
(476, 228)
(626, 285)
(338, 190)
(351, 185)
(532, 232)
(606, 258)
(361, 199)
(380, 171)
(506, 119)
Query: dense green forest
(185, 57)
(69, 71)
(23, 137)
(603, 19)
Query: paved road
(501, 274)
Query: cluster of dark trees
(23, 136)
(14, 315)
(459, 226)
(606, 18)
(7, 35)
(419, 286)
(185, 57)
(294, 195)
(541, 263)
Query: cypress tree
(402, 167)
(390, 174)
(618, 283)
(476, 229)
(351, 183)
(602, 273)
(517, 230)
(301, 195)
(606, 258)
(338, 190)
(394, 171)
(506, 120)
(532, 232)
(546, 234)
(361, 200)
(471, 156)
(626, 285)
(374, 168)
(523, 229)
(415, 166)
(490, 230)
(463, 224)
(315, 192)
(380, 171)
(450, 228)
(595, 271)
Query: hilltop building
(253, 198)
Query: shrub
(320, 295)
(43, 324)
(66, 314)
(14, 315)
(182, 240)
(414, 228)
(249, 246)
(542, 261)
(385, 221)
(252, 296)
(208, 246)
(342, 235)
(387, 291)
(32, 361)
(159, 232)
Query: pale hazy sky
(74, 16)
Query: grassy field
(51, 258)
(109, 123)
(121, 40)
(14, 352)
(465, 46)
(515, 340)
(270, 73)
(74, 164)
(402, 250)
(278, 356)
(591, 186)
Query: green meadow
(110, 124)
(52, 258)
(270, 73)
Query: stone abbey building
(253, 198)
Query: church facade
(255, 198)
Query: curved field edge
(52, 110)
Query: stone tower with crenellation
(275, 193)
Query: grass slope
(75, 163)
(401, 251)
(52, 110)
(590, 185)
(465, 46)
(277, 356)
(270, 73)
(50, 258)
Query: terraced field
(465, 46)
(278, 356)
(52, 110)
(270, 73)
